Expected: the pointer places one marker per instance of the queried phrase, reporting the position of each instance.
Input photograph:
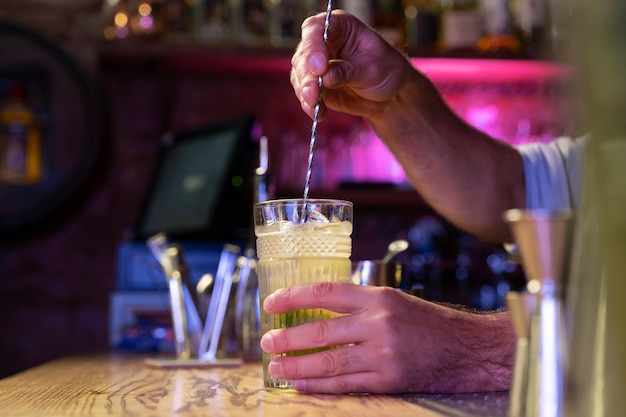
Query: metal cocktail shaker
(544, 240)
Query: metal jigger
(519, 306)
(543, 239)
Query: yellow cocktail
(300, 243)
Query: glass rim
(300, 200)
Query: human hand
(393, 342)
(359, 69)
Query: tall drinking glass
(300, 242)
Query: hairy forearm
(483, 351)
(464, 174)
(468, 352)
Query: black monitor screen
(201, 188)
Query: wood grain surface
(125, 386)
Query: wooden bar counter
(124, 386)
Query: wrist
(484, 348)
(414, 104)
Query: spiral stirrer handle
(307, 181)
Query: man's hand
(393, 342)
(359, 69)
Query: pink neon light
(438, 69)
(515, 120)
(490, 70)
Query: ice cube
(307, 214)
(317, 217)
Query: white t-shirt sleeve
(553, 173)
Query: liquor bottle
(363, 9)
(20, 140)
(234, 21)
(253, 21)
(531, 19)
(388, 20)
(422, 22)
(285, 19)
(498, 31)
(216, 21)
(460, 24)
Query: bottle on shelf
(216, 21)
(243, 22)
(388, 20)
(461, 26)
(251, 21)
(543, 26)
(363, 9)
(421, 22)
(530, 18)
(498, 30)
(20, 140)
(285, 19)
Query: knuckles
(321, 290)
(321, 331)
(330, 364)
